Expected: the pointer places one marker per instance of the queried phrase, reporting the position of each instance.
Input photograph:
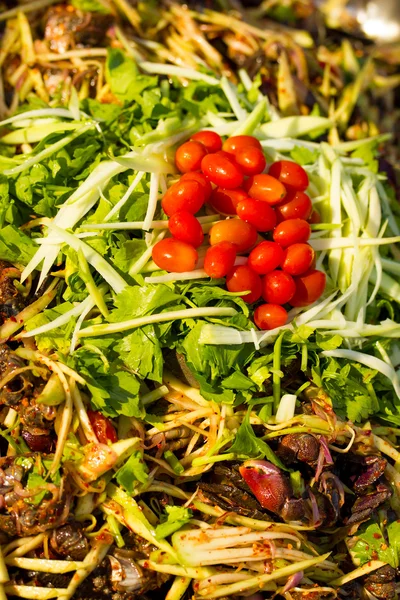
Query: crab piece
(66, 27)
(11, 300)
(364, 506)
(302, 447)
(268, 484)
(69, 541)
(19, 516)
(376, 466)
(382, 583)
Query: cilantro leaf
(16, 246)
(141, 353)
(177, 517)
(373, 543)
(137, 301)
(135, 469)
(124, 78)
(304, 156)
(248, 445)
(58, 338)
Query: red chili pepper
(102, 426)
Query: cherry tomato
(315, 217)
(240, 233)
(265, 257)
(291, 174)
(188, 157)
(247, 183)
(201, 179)
(186, 195)
(102, 427)
(298, 259)
(278, 287)
(186, 228)
(266, 188)
(260, 214)
(226, 201)
(240, 142)
(219, 259)
(297, 205)
(242, 279)
(211, 140)
(269, 316)
(309, 288)
(174, 256)
(292, 231)
(251, 160)
(222, 171)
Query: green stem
(93, 290)
(276, 377)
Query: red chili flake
(377, 536)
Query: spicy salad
(199, 383)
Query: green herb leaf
(16, 246)
(177, 517)
(248, 445)
(135, 469)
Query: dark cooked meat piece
(364, 506)
(20, 518)
(11, 300)
(230, 498)
(69, 541)
(382, 583)
(17, 387)
(375, 468)
(67, 27)
(302, 447)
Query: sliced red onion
(293, 581)
(320, 464)
(316, 518)
(327, 453)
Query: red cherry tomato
(269, 316)
(222, 171)
(278, 287)
(102, 426)
(174, 256)
(265, 257)
(297, 205)
(315, 217)
(291, 174)
(247, 183)
(219, 259)
(298, 259)
(260, 214)
(226, 201)
(201, 179)
(309, 288)
(185, 227)
(186, 195)
(188, 157)
(251, 160)
(240, 142)
(238, 232)
(211, 140)
(292, 231)
(242, 279)
(266, 188)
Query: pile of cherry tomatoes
(230, 177)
